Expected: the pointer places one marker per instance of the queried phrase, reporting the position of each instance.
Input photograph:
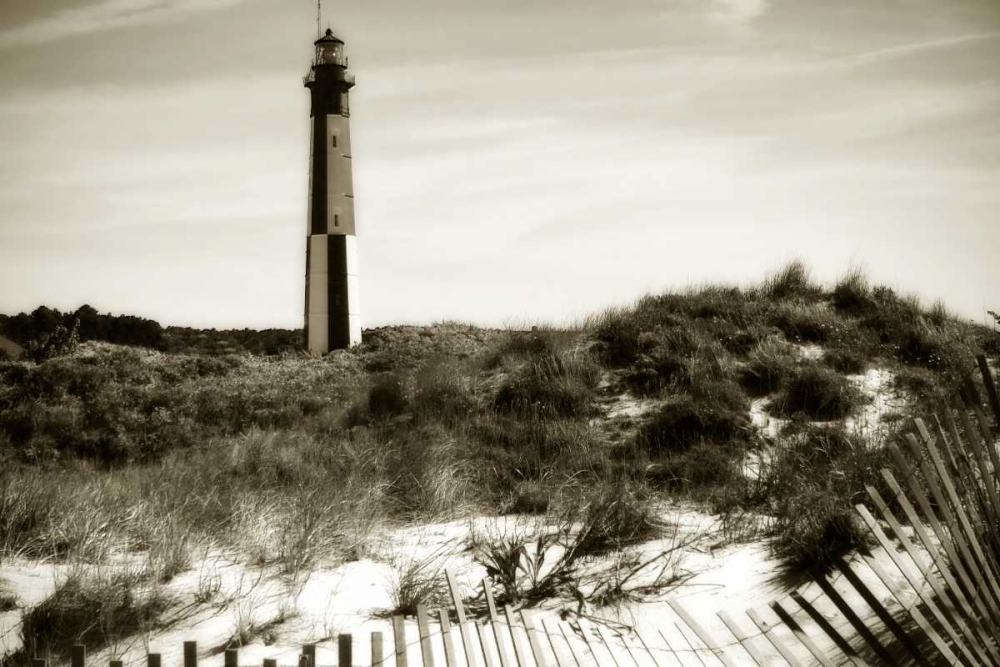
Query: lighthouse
(333, 311)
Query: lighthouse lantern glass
(330, 53)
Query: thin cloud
(105, 15)
(903, 50)
(737, 11)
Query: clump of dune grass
(93, 608)
(817, 475)
(718, 417)
(790, 281)
(768, 368)
(818, 393)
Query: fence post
(309, 653)
(270, 662)
(114, 663)
(153, 660)
(190, 654)
(232, 657)
(344, 657)
(78, 655)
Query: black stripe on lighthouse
(338, 307)
(319, 187)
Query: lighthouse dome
(329, 37)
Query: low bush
(818, 393)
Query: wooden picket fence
(942, 612)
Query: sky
(515, 161)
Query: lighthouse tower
(333, 312)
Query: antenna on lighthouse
(319, 19)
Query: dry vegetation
(106, 449)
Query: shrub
(684, 421)
(819, 394)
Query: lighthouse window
(336, 220)
(335, 141)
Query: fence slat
(991, 387)
(114, 663)
(536, 647)
(799, 633)
(767, 630)
(876, 605)
(914, 612)
(945, 543)
(948, 590)
(449, 645)
(484, 645)
(399, 640)
(550, 635)
(309, 653)
(456, 599)
(607, 645)
(687, 642)
(378, 655)
(522, 659)
(190, 654)
(495, 625)
(270, 662)
(153, 660)
(424, 629)
(958, 521)
(742, 637)
(982, 467)
(577, 658)
(830, 631)
(646, 648)
(961, 637)
(232, 658)
(711, 644)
